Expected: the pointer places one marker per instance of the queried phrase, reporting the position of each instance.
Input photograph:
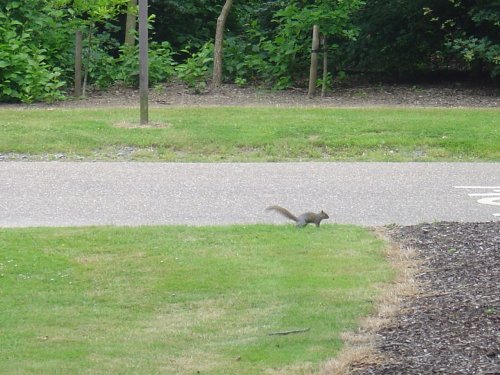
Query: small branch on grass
(283, 333)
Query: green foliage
(187, 22)
(36, 45)
(256, 58)
(408, 39)
(394, 39)
(472, 34)
(29, 70)
(246, 58)
(280, 56)
(328, 81)
(266, 42)
(473, 50)
(161, 62)
(196, 69)
(91, 11)
(124, 69)
(240, 81)
(332, 17)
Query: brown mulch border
(452, 326)
(450, 95)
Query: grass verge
(180, 300)
(360, 347)
(253, 134)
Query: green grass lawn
(178, 300)
(254, 134)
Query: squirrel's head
(324, 214)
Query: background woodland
(266, 43)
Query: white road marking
(492, 199)
(484, 195)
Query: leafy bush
(25, 74)
(243, 60)
(124, 69)
(196, 69)
(478, 46)
(161, 62)
(255, 58)
(279, 56)
(473, 50)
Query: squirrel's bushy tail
(283, 211)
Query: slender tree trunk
(143, 61)
(78, 64)
(87, 64)
(219, 39)
(325, 66)
(313, 72)
(131, 23)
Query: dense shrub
(107, 70)
(197, 66)
(30, 68)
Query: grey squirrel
(302, 220)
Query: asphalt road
(77, 194)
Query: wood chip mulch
(452, 326)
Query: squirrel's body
(301, 220)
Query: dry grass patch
(123, 124)
(360, 346)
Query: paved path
(74, 194)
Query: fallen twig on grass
(282, 333)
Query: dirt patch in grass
(135, 125)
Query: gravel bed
(453, 325)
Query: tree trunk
(325, 66)
(87, 65)
(143, 61)
(313, 72)
(78, 64)
(131, 23)
(219, 39)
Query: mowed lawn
(253, 134)
(183, 300)
(208, 300)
